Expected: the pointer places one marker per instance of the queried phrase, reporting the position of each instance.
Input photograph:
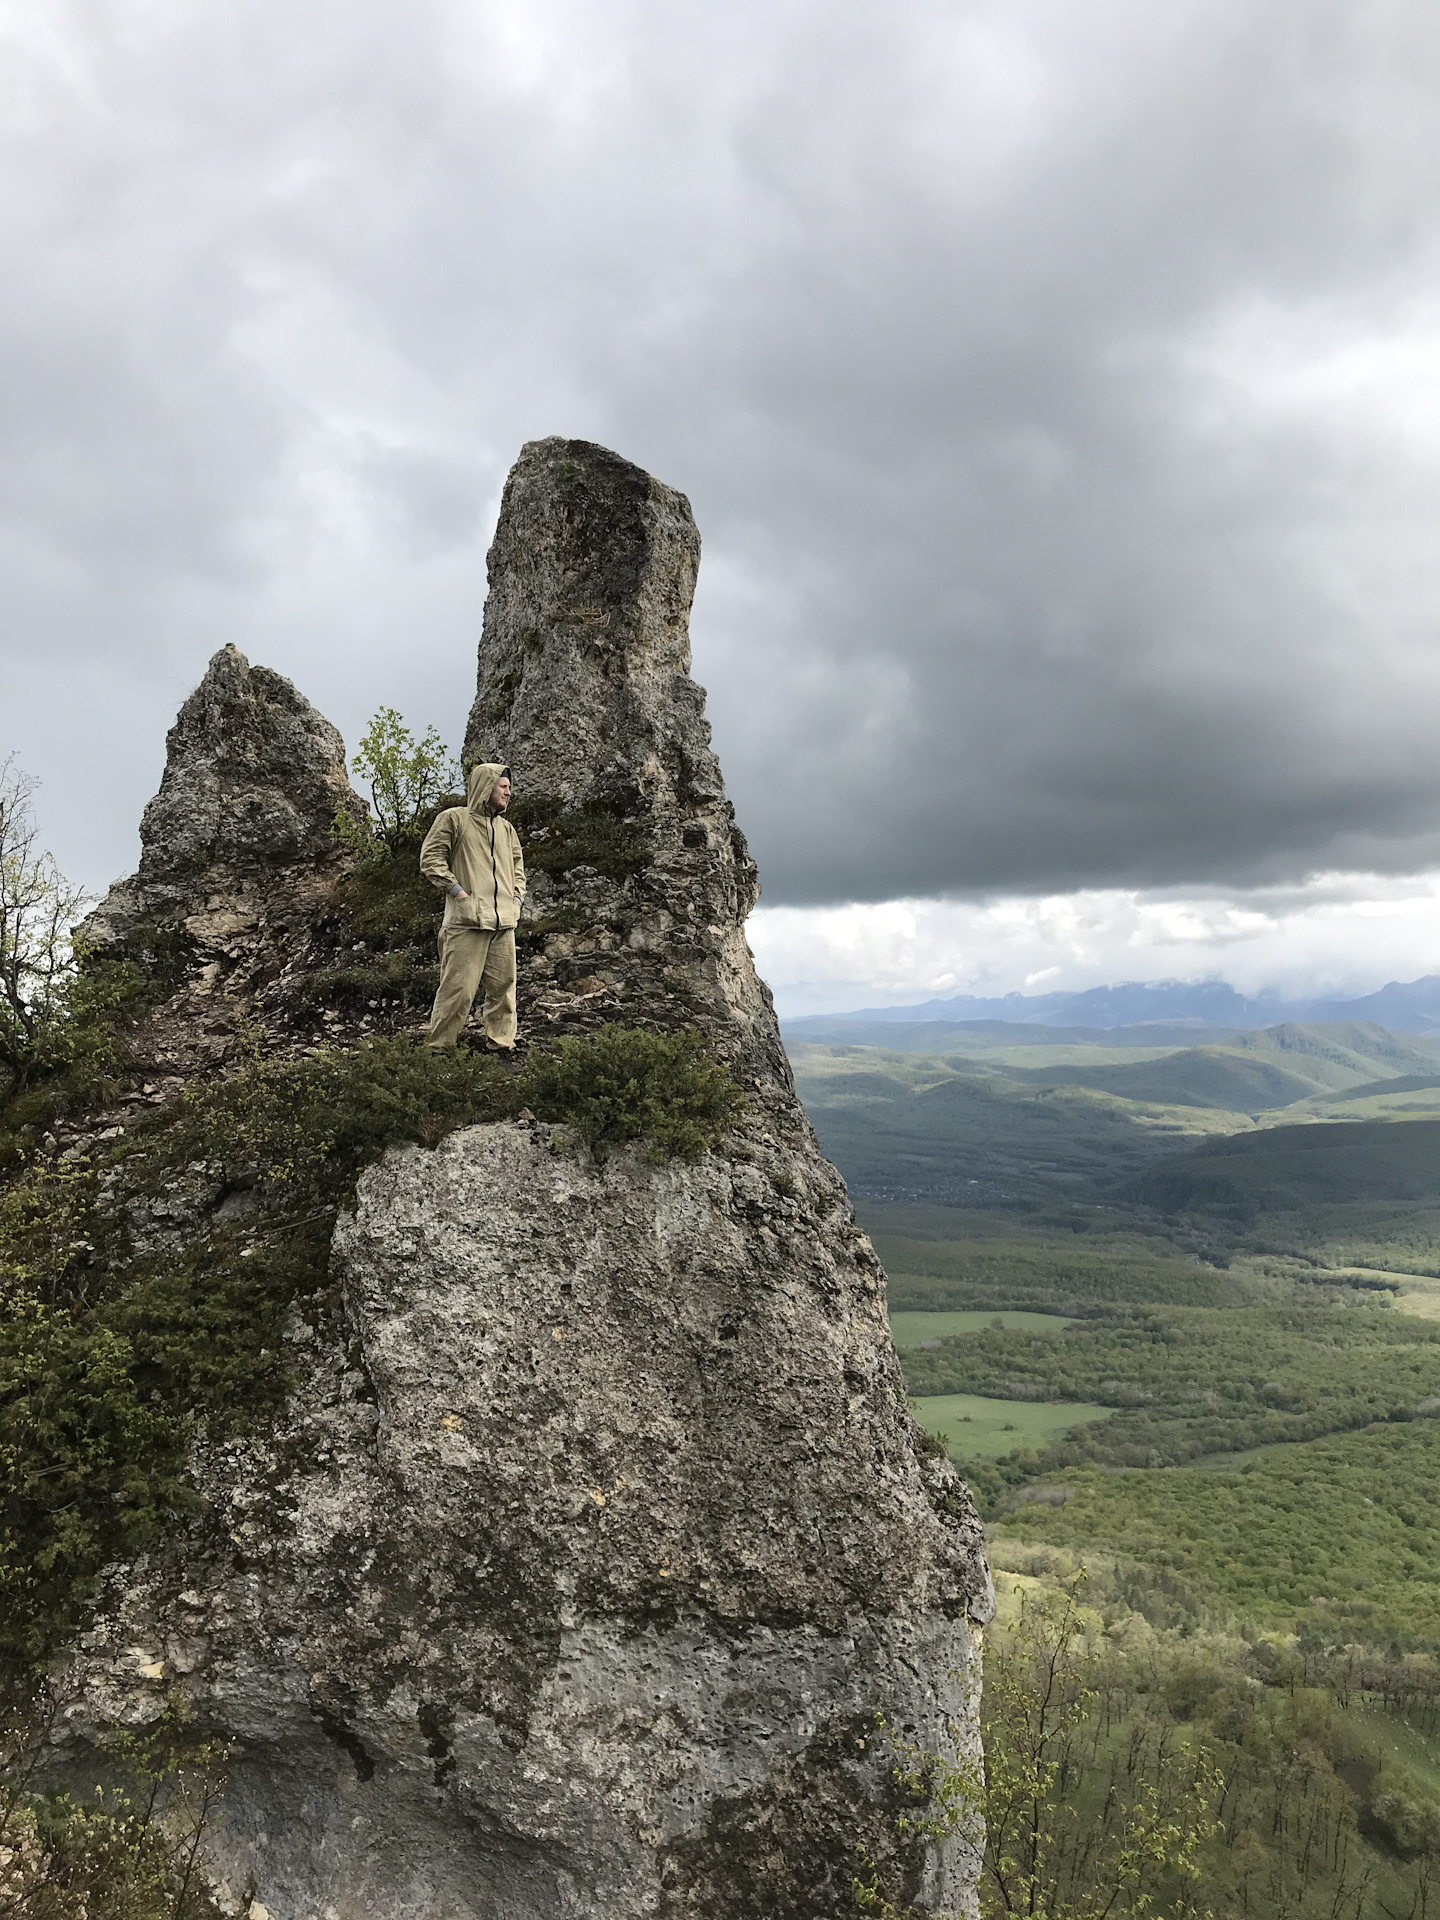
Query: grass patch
(910, 1329)
(977, 1428)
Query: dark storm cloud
(1051, 384)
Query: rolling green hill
(1217, 1077)
(1256, 1073)
(981, 1036)
(1152, 1139)
(967, 1133)
(1309, 1169)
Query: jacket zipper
(494, 872)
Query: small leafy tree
(407, 779)
(38, 909)
(1048, 1852)
(129, 1851)
(1055, 1848)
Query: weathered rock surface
(238, 859)
(242, 821)
(593, 1538)
(585, 691)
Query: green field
(910, 1329)
(976, 1428)
(1419, 1293)
(1194, 1381)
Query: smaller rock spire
(253, 778)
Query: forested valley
(1173, 1303)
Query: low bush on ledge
(624, 1084)
(320, 1120)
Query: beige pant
(468, 957)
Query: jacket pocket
(462, 913)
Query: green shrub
(45, 1214)
(557, 838)
(1403, 1816)
(317, 1122)
(402, 976)
(102, 1381)
(532, 934)
(386, 901)
(129, 1853)
(623, 1084)
(86, 1045)
(38, 910)
(88, 1461)
(159, 954)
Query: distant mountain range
(1404, 1007)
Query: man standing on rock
(473, 852)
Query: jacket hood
(480, 784)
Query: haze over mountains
(1404, 1007)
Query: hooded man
(473, 853)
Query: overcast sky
(1056, 384)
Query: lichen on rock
(593, 1537)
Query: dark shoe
(509, 1057)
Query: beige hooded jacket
(480, 851)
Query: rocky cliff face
(593, 1537)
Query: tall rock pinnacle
(584, 680)
(593, 1545)
(585, 691)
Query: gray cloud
(1052, 384)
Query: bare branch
(38, 911)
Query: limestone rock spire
(584, 690)
(253, 777)
(593, 1539)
